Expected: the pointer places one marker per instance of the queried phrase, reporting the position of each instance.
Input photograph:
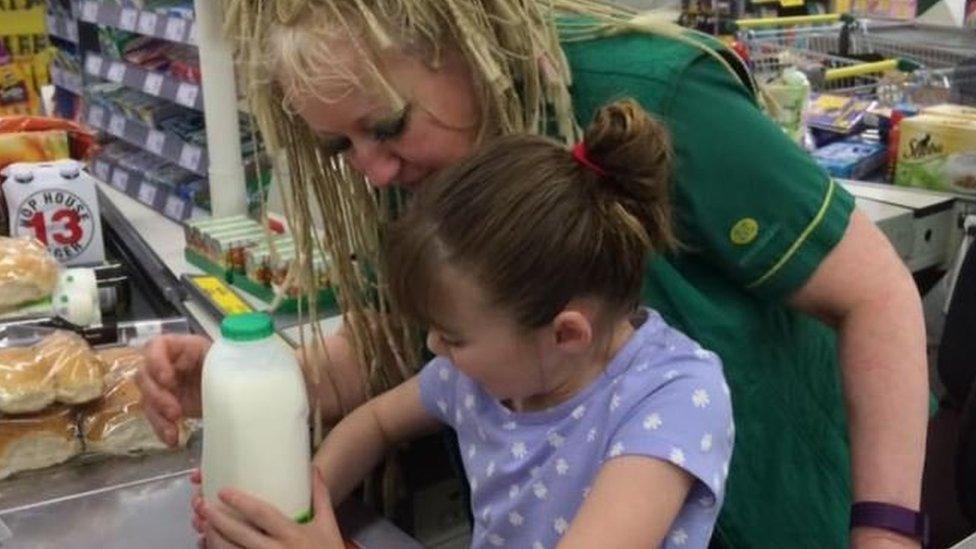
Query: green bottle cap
(247, 327)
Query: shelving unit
(171, 204)
(139, 79)
(174, 29)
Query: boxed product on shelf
(838, 114)
(852, 158)
(937, 152)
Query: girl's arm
(359, 442)
(632, 503)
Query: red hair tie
(579, 153)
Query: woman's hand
(242, 521)
(170, 382)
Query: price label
(174, 207)
(147, 194)
(175, 29)
(186, 94)
(193, 33)
(128, 19)
(93, 65)
(147, 23)
(220, 295)
(116, 71)
(120, 179)
(155, 141)
(153, 83)
(116, 125)
(101, 170)
(190, 156)
(96, 116)
(89, 11)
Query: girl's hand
(258, 525)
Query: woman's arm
(632, 503)
(863, 289)
(359, 442)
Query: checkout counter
(143, 501)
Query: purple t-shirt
(661, 396)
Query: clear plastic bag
(25, 385)
(117, 424)
(27, 271)
(76, 371)
(38, 440)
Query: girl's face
(436, 128)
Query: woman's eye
(392, 127)
(335, 145)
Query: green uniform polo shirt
(756, 216)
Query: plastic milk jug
(255, 417)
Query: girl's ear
(572, 331)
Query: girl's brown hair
(535, 227)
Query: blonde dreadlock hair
(521, 79)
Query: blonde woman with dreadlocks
(802, 298)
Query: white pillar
(227, 184)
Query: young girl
(583, 420)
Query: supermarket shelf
(66, 79)
(164, 145)
(175, 29)
(157, 197)
(152, 83)
(62, 27)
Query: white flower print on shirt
(677, 456)
(510, 426)
(716, 483)
(555, 439)
(586, 492)
(513, 491)
(472, 450)
(679, 536)
(653, 422)
(442, 405)
(481, 434)
(700, 398)
(614, 402)
(670, 374)
(538, 545)
(519, 451)
(486, 514)
(444, 373)
(578, 412)
(496, 540)
(515, 519)
(561, 466)
(458, 418)
(469, 401)
(560, 525)
(642, 366)
(703, 354)
(540, 490)
(616, 449)
(490, 470)
(706, 442)
(725, 388)
(473, 482)
(591, 435)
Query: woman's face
(435, 129)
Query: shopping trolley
(892, 60)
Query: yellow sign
(744, 231)
(222, 296)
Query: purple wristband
(875, 514)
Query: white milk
(255, 417)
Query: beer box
(938, 153)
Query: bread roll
(27, 271)
(38, 440)
(25, 383)
(117, 424)
(77, 372)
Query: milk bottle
(255, 417)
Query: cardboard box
(938, 153)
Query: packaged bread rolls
(25, 383)
(27, 271)
(77, 372)
(38, 440)
(116, 424)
